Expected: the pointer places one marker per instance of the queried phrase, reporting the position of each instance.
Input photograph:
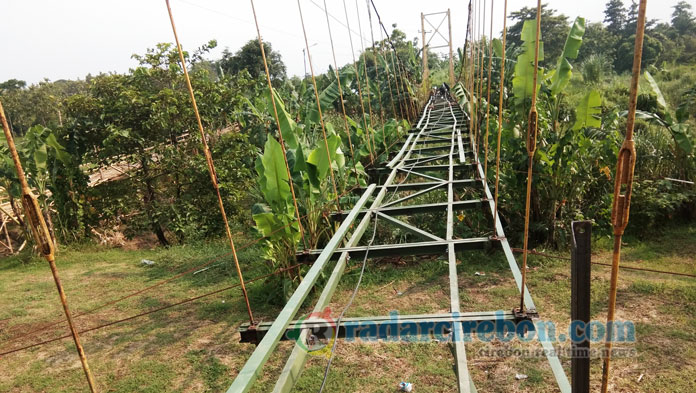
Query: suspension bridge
(436, 156)
(438, 169)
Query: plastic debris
(147, 262)
(520, 377)
(640, 378)
(406, 387)
(479, 274)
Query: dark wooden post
(580, 303)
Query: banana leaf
(588, 111)
(523, 81)
(330, 94)
(561, 76)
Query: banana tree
(275, 218)
(309, 164)
(36, 149)
(676, 125)
(37, 143)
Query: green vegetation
(116, 162)
(194, 347)
(581, 124)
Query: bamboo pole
(44, 243)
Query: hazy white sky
(68, 39)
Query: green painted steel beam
(425, 208)
(295, 363)
(554, 362)
(426, 168)
(410, 228)
(423, 175)
(422, 160)
(415, 194)
(388, 326)
(433, 140)
(464, 381)
(254, 365)
(425, 185)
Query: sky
(69, 39)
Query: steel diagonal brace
(293, 366)
(421, 174)
(254, 365)
(410, 228)
(415, 194)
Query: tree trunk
(49, 223)
(148, 199)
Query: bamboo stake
(44, 243)
(211, 166)
(623, 186)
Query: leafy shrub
(595, 69)
(656, 202)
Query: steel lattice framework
(438, 153)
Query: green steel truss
(436, 154)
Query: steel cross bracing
(435, 157)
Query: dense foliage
(581, 126)
(120, 153)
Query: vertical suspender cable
(413, 113)
(488, 94)
(532, 128)
(501, 87)
(471, 81)
(462, 65)
(374, 59)
(360, 95)
(481, 55)
(623, 186)
(321, 117)
(396, 68)
(386, 66)
(398, 89)
(44, 242)
(340, 93)
(367, 77)
(280, 133)
(211, 166)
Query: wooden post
(580, 304)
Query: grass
(194, 347)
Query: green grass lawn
(195, 347)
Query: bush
(656, 202)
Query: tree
(615, 16)
(249, 58)
(143, 121)
(682, 18)
(13, 84)
(554, 29)
(652, 49)
(632, 20)
(598, 41)
(38, 104)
